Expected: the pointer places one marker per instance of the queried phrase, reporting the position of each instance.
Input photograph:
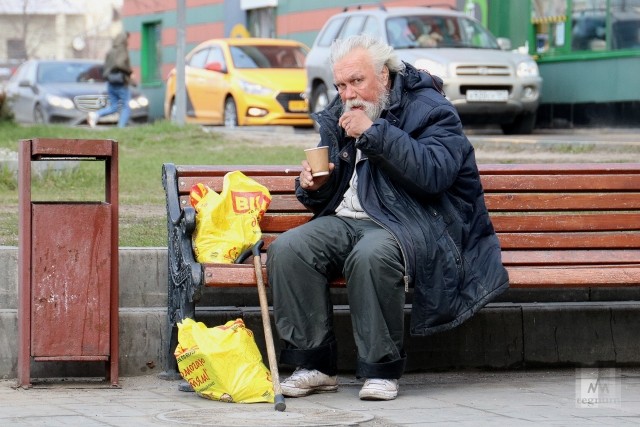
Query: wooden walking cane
(266, 323)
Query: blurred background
(587, 51)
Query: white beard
(371, 109)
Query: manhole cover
(261, 417)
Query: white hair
(381, 53)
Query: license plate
(298, 106)
(487, 95)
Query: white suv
(486, 83)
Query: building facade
(56, 29)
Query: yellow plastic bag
(227, 224)
(223, 363)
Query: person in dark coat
(117, 72)
(403, 207)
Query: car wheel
(522, 125)
(319, 101)
(319, 98)
(230, 113)
(38, 115)
(173, 111)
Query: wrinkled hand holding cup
(318, 159)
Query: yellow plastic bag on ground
(223, 363)
(227, 224)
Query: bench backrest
(586, 216)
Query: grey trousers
(300, 263)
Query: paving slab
(559, 397)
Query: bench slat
(222, 170)
(281, 223)
(503, 224)
(561, 202)
(570, 257)
(552, 257)
(275, 184)
(497, 183)
(566, 182)
(240, 275)
(279, 203)
(558, 168)
(230, 275)
(234, 275)
(502, 202)
(561, 240)
(566, 223)
(555, 277)
(285, 203)
(485, 169)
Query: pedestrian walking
(117, 72)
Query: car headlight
(433, 67)
(138, 102)
(527, 69)
(254, 88)
(60, 102)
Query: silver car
(486, 82)
(63, 91)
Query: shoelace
(298, 373)
(380, 381)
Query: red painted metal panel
(68, 265)
(71, 274)
(71, 148)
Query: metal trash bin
(68, 264)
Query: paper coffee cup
(318, 159)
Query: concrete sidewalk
(469, 398)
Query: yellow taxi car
(242, 82)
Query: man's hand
(308, 181)
(355, 122)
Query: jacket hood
(410, 80)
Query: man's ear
(385, 74)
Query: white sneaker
(379, 389)
(92, 119)
(304, 382)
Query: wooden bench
(559, 225)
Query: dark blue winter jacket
(420, 182)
